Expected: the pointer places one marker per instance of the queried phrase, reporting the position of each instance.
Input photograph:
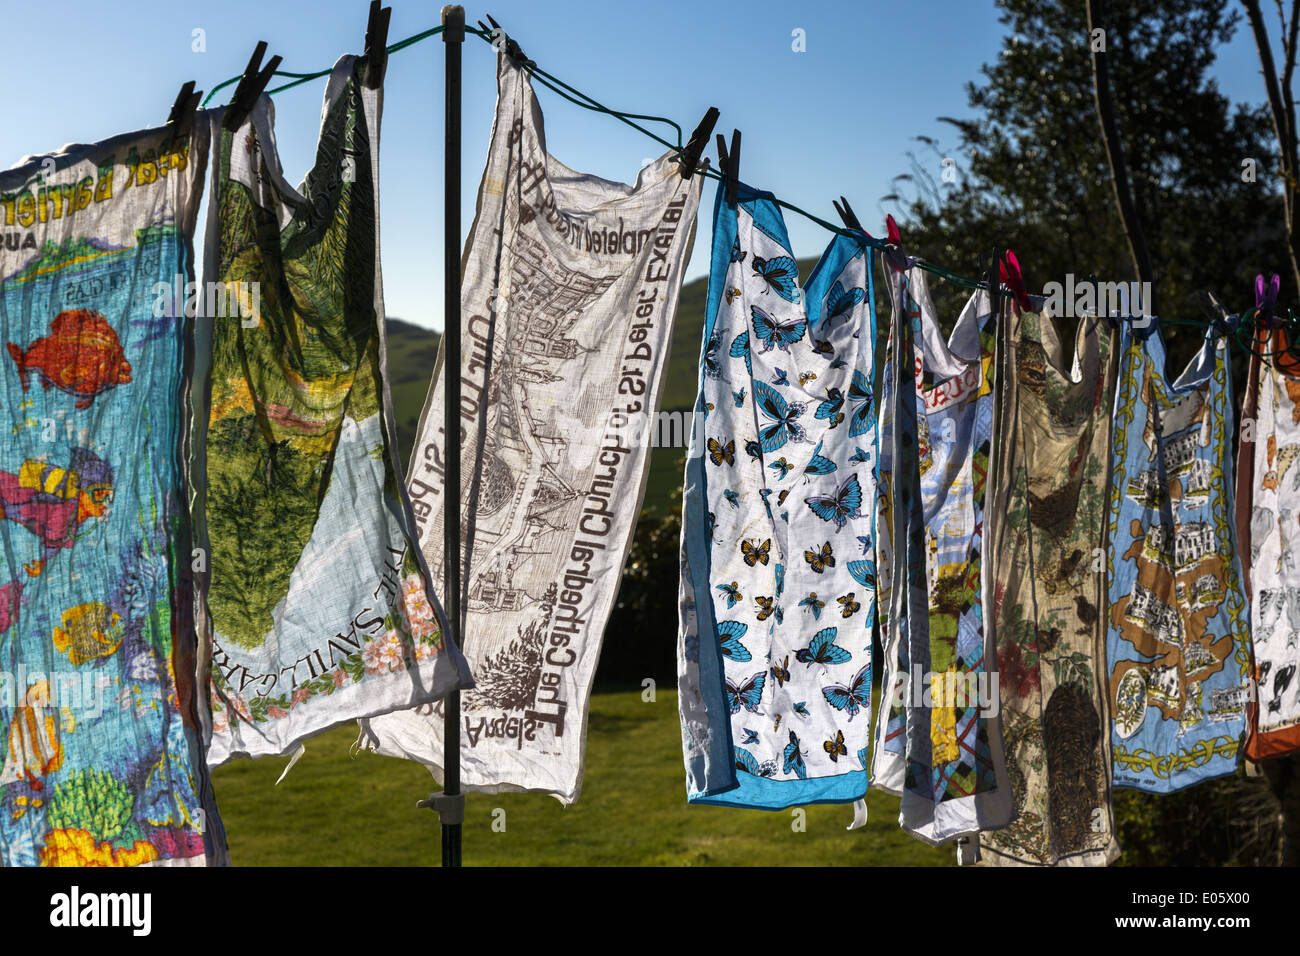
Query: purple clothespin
(1265, 299)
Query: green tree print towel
(318, 604)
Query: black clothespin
(180, 121)
(511, 48)
(690, 158)
(1214, 310)
(377, 44)
(729, 163)
(848, 216)
(250, 87)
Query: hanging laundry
(1178, 628)
(318, 604)
(99, 730)
(1268, 538)
(778, 575)
(1045, 539)
(569, 295)
(933, 746)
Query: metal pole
(453, 37)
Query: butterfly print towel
(1045, 533)
(933, 745)
(1268, 522)
(778, 576)
(1178, 628)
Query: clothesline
(1241, 334)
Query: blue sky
(836, 119)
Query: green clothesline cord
(578, 98)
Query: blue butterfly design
(753, 449)
(748, 695)
(819, 464)
(794, 758)
(801, 708)
(739, 398)
(854, 697)
(729, 635)
(732, 591)
(711, 356)
(776, 334)
(830, 408)
(746, 762)
(822, 649)
(732, 497)
(780, 579)
(859, 396)
(781, 467)
(751, 736)
(864, 572)
(846, 503)
(859, 456)
(865, 541)
(780, 378)
(710, 522)
(780, 273)
(736, 254)
(740, 349)
(839, 301)
(814, 604)
(784, 425)
(839, 362)
(862, 757)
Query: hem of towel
(299, 739)
(1226, 767)
(779, 795)
(1270, 744)
(1082, 858)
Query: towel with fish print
(98, 731)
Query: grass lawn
(338, 810)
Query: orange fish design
(81, 356)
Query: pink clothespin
(1010, 270)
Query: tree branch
(1137, 244)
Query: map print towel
(778, 580)
(932, 741)
(318, 604)
(1045, 531)
(569, 296)
(1268, 520)
(99, 733)
(1178, 627)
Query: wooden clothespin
(376, 53)
(250, 87)
(180, 121)
(729, 163)
(689, 161)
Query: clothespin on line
(250, 87)
(729, 164)
(180, 121)
(690, 159)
